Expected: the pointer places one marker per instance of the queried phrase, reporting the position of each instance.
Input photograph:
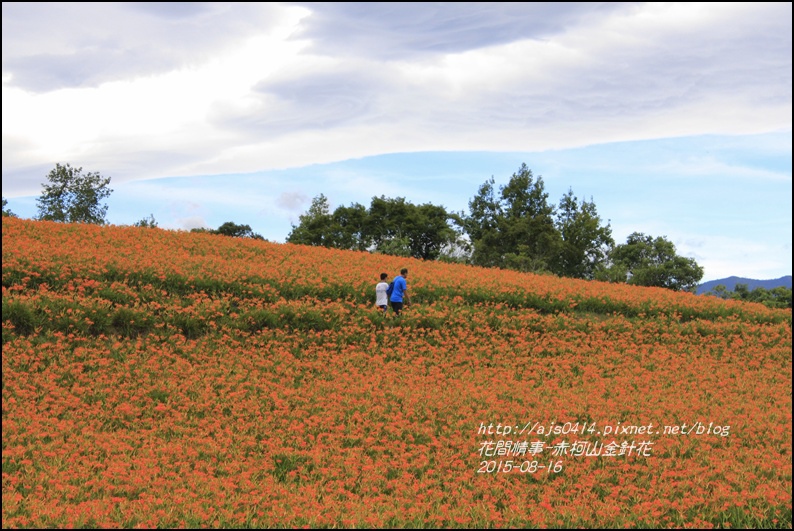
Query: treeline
(234, 230)
(779, 297)
(389, 226)
(512, 227)
(72, 196)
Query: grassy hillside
(154, 378)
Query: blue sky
(674, 118)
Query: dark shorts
(396, 306)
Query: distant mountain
(730, 283)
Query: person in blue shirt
(400, 293)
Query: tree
(7, 211)
(653, 262)
(515, 230)
(741, 292)
(429, 231)
(459, 250)
(227, 229)
(397, 246)
(585, 243)
(73, 197)
(314, 227)
(721, 291)
(389, 226)
(348, 228)
(146, 222)
(398, 227)
(482, 226)
(237, 231)
(778, 297)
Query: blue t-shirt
(399, 288)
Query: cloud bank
(160, 89)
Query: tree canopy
(585, 242)
(649, 261)
(512, 226)
(314, 226)
(232, 229)
(237, 231)
(515, 228)
(7, 211)
(778, 297)
(389, 226)
(74, 197)
(149, 222)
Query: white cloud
(50, 46)
(195, 222)
(149, 91)
(251, 87)
(292, 201)
(723, 257)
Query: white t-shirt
(380, 294)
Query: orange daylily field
(154, 378)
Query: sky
(673, 118)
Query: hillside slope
(155, 378)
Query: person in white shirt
(380, 293)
